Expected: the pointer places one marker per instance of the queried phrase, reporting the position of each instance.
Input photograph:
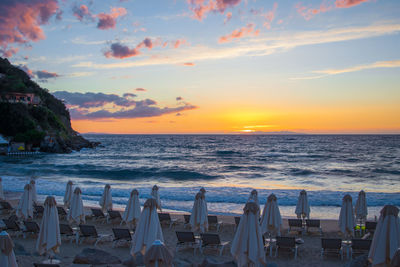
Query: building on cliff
(24, 98)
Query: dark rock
(20, 250)
(96, 257)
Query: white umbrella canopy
(106, 199)
(76, 212)
(271, 220)
(154, 194)
(148, 229)
(68, 194)
(247, 246)
(132, 210)
(1, 189)
(361, 210)
(34, 194)
(25, 204)
(158, 256)
(346, 217)
(386, 237)
(49, 239)
(199, 215)
(7, 256)
(254, 197)
(303, 206)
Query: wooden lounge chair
(31, 227)
(12, 225)
(186, 240)
(67, 231)
(113, 215)
(38, 210)
(331, 245)
(166, 218)
(5, 206)
(62, 214)
(186, 217)
(295, 225)
(360, 246)
(286, 243)
(213, 221)
(313, 224)
(98, 214)
(213, 241)
(89, 231)
(121, 234)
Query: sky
(212, 66)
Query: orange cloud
(190, 64)
(308, 13)
(348, 3)
(201, 8)
(268, 16)
(108, 21)
(179, 42)
(240, 33)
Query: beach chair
(6, 206)
(62, 214)
(113, 215)
(360, 246)
(288, 243)
(331, 245)
(67, 231)
(166, 218)
(213, 241)
(370, 227)
(12, 225)
(89, 231)
(45, 265)
(31, 227)
(186, 217)
(186, 240)
(121, 234)
(38, 210)
(213, 221)
(98, 214)
(313, 224)
(295, 225)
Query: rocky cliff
(44, 123)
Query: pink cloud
(307, 13)
(189, 64)
(118, 50)
(200, 8)
(268, 16)
(179, 42)
(146, 43)
(249, 30)
(140, 90)
(228, 17)
(82, 12)
(108, 21)
(348, 3)
(21, 22)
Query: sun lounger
(62, 214)
(121, 234)
(6, 206)
(286, 243)
(166, 218)
(295, 225)
(186, 217)
(370, 226)
(113, 215)
(98, 214)
(360, 246)
(89, 231)
(331, 245)
(67, 231)
(213, 241)
(213, 221)
(38, 210)
(313, 224)
(31, 227)
(12, 225)
(187, 240)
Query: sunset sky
(213, 66)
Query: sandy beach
(308, 253)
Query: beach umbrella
(396, 259)
(361, 207)
(34, 194)
(158, 255)
(148, 229)
(247, 246)
(386, 237)
(199, 215)
(68, 194)
(303, 207)
(25, 204)
(7, 256)
(76, 212)
(1, 189)
(346, 217)
(132, 210)
(49, 239)
(156, 196)
(254, 197)
(106, 199)
(271, 219)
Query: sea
(229, 167)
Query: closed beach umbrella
(199, 216)
(49, 239)
(34, 194)
(271, 219)
(361, 207)
(1, 189)
(76, 212)
(396, 259)
(156, 196)
(158, 256)
(106, 199)
(148, 229)
(7, 256)
(25, 204)
(132, 210)
(346, 217)
(303, 207)
(386, 238)
(247, 246)
(68, 194)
